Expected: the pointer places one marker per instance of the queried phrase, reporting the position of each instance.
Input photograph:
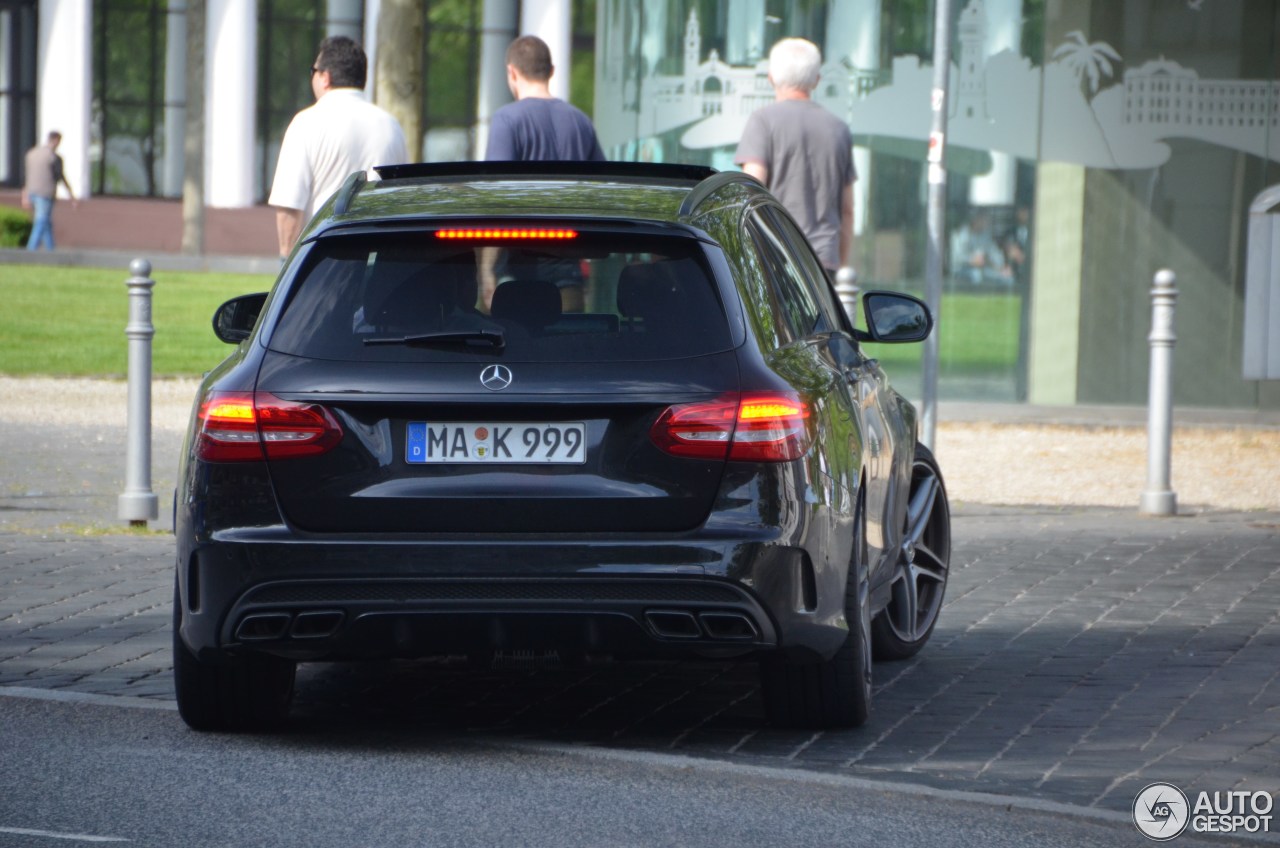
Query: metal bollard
(137, 504)
(1159, 499)
(847, 291)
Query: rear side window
(810, 274)
(592, 297)
(796, 311)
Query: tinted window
(795, 309)
(810, 268)
(596, 297)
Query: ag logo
(1161, 812)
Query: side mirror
(233, 321)
(893, 317)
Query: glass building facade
(17, 86)
(1090, 143)
(138, 97)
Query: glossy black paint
(405, 561)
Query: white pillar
(552, 21)
(6, 82)
(1004, 32)
(497, 31)
(747, 33)
(65, 84)
(175, 93)
(853, 32)
(372, 9)
(343, 17)
(230, 98)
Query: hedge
(15, 227)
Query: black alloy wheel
(920, 576)
(835, 692)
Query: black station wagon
(586, 411)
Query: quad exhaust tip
(263, 627)
(729, 626)
(316, 625)
(673, 624)
(720, 626)
(275, 626)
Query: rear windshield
(592, 297)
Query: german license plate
(546, 444)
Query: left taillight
(752, 427)
(240, 427)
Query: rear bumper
(362, 599)
(406, 618)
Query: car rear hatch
(526, 409)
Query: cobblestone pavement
(1082, 654)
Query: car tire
(919, 581)
(237, 694)
(834, 692)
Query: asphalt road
(83, 773)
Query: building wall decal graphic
(1090, 117)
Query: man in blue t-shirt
(538, 126)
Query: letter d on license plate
(556, 443)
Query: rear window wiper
(493, 338)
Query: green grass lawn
(70, 321)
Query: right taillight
(752, 427)
(239, 427)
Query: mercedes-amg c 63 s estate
(588, 410)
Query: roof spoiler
(704, 181)
(635, 170)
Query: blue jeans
(42, 222)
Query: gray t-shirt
(542, 129)
(44, 171)
(809, 154)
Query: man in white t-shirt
(325, 143)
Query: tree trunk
(193, 141)
(398, 81)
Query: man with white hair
(803, 153)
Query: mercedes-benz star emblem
(495, 378)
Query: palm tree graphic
(1089, 61)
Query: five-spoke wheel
(920, 574)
